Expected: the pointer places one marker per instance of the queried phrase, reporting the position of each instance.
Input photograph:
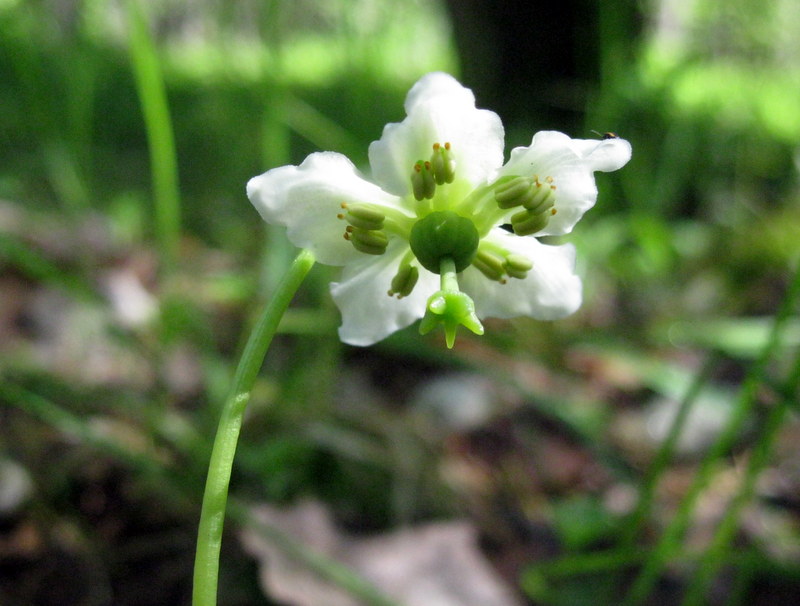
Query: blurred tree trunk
(537, 63)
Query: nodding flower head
(422, 237)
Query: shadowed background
(644, 447)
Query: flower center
(444, 234)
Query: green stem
(212, 516)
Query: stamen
(513, 192)
(542, 196)
(526, 222)
(490, 265)
(371, 242)
(404, 281)
(531, 193)
(496, 263)
(423, 183)
(444, 166)
(517, 266)
(363, 216)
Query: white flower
(423, 238)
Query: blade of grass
(37, 267)
(155, 110)
(163, 482)
(664, 455)
(77, 427)
(717, 552)
(670, 539)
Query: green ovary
(443, 234)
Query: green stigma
(450, 307)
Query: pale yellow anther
(423, 183)
(443, 164)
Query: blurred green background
(646, 449)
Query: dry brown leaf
(436, 564)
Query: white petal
(550, 291)
(307, 198)
(439, 110)
(605, 155)
(437, 84)
(369, 314)
(571, 163)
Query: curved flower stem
(212, 515)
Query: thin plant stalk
(664, 455)
(212, 515)
(158, 124)
(166, 483)
(719, 548)
(717, 553)
(668, 544)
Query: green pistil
(444, 234)
(449, 306)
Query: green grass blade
(155, 110)
(670, 540)
(717, 553)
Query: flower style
(424, 238)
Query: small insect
(605, 136)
